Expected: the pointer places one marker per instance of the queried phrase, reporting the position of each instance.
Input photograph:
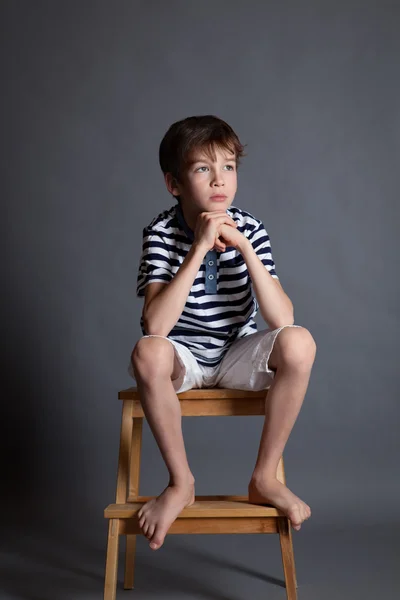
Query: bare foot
(272, 491)
(158, 514)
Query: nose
(217, 178)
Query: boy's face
(203, 179)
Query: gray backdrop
(89, 89)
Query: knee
(152, 357)
(297, 347)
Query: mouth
(218, 198)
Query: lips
(219, 198)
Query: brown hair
(200, 133)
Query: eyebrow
(193, 162)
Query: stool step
(203, 507)
(200, 394)
(203, 402)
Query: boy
(202, 260)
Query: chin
(219, 203)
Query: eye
(230, 167)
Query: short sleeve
(261, 243)
(155, 262)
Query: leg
(292, 358)
(155, 365)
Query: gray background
(89, 89)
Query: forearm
(276, 307)
(165, 309)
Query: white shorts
(244, 366)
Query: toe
(154, 546)
(156, 541)
(296, 515)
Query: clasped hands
(218, 230)
(228, 236)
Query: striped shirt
(221, 305)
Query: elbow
(287, 320)
(150, 331)
(149, 327)
(280, 324)
(153, 328)
(290, 319)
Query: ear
(172, 184)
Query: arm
(163, 307)
(163, 311)
(276, 307)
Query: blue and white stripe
(221, 305)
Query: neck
(190, 217)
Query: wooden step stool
(208, 514)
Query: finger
(221, 215)
(218, 244)
(220, 229)
(225, 219)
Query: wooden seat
(209, 514)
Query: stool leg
(110, 586)
(125, 442)
(292, 551)
(134, 478)
(285, 538)
(130, 555)
(124, 457)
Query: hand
(208, 226)
(229, 236)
